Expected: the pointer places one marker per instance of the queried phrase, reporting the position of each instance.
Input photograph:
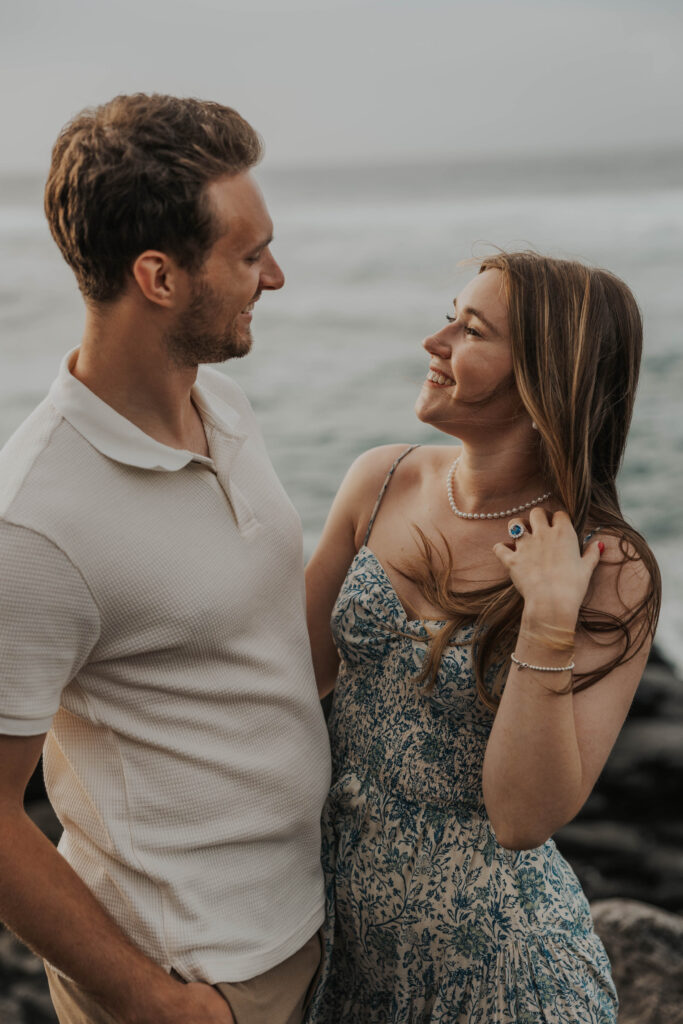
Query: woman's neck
(494, 479)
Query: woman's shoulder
(626, 578)
(619, 547)
(375, 463)
(367, 473)
(410, 463)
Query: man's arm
(47, 905)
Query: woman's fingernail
(601, 547)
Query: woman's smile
(439, 379)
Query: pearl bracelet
(542, 668)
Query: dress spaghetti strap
(388, 477)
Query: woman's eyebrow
(480, 316)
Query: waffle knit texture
(152, 617)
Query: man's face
(215, 323)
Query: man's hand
(192, 1003)
(201, 1004)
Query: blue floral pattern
(429, 919)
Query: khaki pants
(279, 996)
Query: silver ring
(516, 530)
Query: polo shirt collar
(117, 438)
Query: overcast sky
(338, 80)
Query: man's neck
(125, 363)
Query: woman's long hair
(576, 339)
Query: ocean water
(373, 258)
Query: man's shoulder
(19, 454)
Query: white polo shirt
(152, 617)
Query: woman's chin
(422, 410)
(426, 411)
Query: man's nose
(272, 277)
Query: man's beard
(193, 339)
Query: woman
(494, 618)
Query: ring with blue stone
(516, 530)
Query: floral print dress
(429, 919)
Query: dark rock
(35, 1002)
(658, 690)
(628, 839)
(16, 961)
(36, 786)
(645, 946)
(10, 1011)
(41, 814)
(24, 993)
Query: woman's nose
(437, 345)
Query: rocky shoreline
(626, 845)
(628, 839)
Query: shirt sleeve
(49, 624)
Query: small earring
(534, 425)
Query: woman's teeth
(439, 378)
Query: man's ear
(158, 277)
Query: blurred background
(402, 138)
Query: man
(152, 605)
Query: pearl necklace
(486, 515)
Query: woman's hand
(547, 568)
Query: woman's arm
(547, 748)
(342, 536)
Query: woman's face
(470, 382)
